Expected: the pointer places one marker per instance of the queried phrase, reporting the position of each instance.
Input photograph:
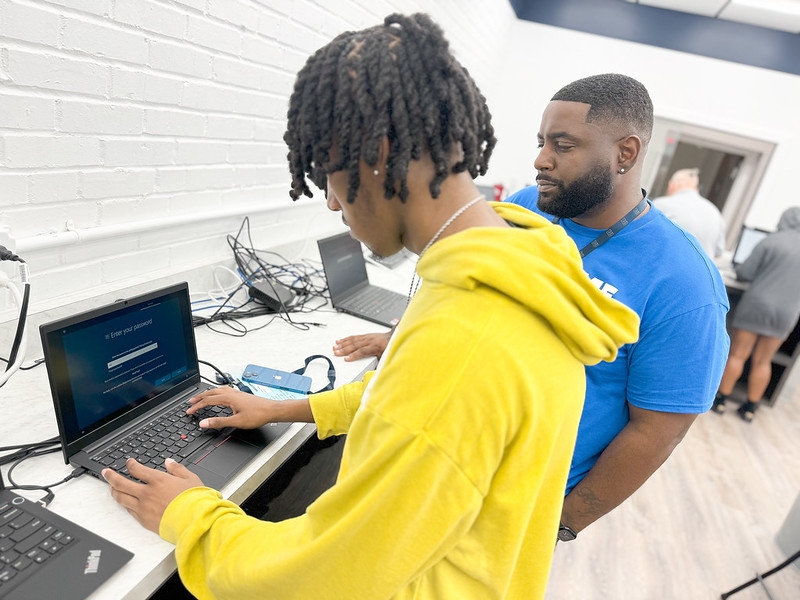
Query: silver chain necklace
(414, 280)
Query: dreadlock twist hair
(397, 80)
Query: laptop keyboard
(373, 301)
(26, 543)
(173, 435)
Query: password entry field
(131, 355)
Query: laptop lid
(748, 239)
(344, 265)
(110, 365)
(57, 558)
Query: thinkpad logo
(92, 562)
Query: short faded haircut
(613, 98)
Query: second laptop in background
(350, 289)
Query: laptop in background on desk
(748, 239)
(48, 556)
(346, 272)
(121, 376)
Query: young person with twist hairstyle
(452, 477)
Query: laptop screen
(106, 362)
(748, 239)
(344, 264)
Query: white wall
(135, 134)
(750, 101)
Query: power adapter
(272, 294)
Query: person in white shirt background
(685, 207)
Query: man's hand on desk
(249, 411)
(147, 503)
(362, 346)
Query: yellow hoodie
(458, 446)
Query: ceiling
(783, 15)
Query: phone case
(277, 379)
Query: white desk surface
(729, 274)
(26, 415)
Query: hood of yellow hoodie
(539, 266)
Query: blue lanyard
(614, 229)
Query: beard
(586, 193)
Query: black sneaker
(719, 404)
(747, 410)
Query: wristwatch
(565, 534)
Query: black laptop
(121, 377)
(346, 272)
(43, 555)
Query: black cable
(224, 375)
(47, 442)
(303, 279)
(245, 255)
(48, 497)
(6, 254)
(23, 315)
(32, 454)
(22, 451)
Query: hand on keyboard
(249, 411)
(173, 435)
(147, 503)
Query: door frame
(757, 154)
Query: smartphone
(277, 380)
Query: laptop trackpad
(216, 467)
(228, 457)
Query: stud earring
(622, 170)
(375, 172)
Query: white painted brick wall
(117, 183)
(53, 186)
(24, 112)
(121, 152)
(13, 189)
(180, 59)
(78, 116)
(48, 151)
(222, 37)
(124, 113)
(170, 122)
(103, 40)
(151, 16)
(39, 70)
(37, 24)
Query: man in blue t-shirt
(592, 139)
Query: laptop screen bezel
(72, 439)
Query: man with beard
(593, 138)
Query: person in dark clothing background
(766, 314)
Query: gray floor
(702, 525)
